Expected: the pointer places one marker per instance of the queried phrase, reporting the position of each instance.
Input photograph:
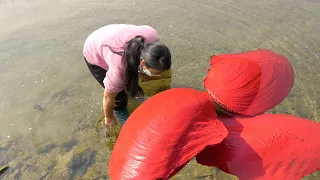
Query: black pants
(99, 74)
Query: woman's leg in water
(120, 107)
(121, 100)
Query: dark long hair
(157, 56)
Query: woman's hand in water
(110, 121)
(108, 105)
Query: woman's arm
(108, 105)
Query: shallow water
(41, 64)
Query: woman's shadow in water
(233, 155)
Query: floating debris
(3, 169)
(38, 107)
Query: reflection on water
(50, 103)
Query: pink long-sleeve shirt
(115, 35)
